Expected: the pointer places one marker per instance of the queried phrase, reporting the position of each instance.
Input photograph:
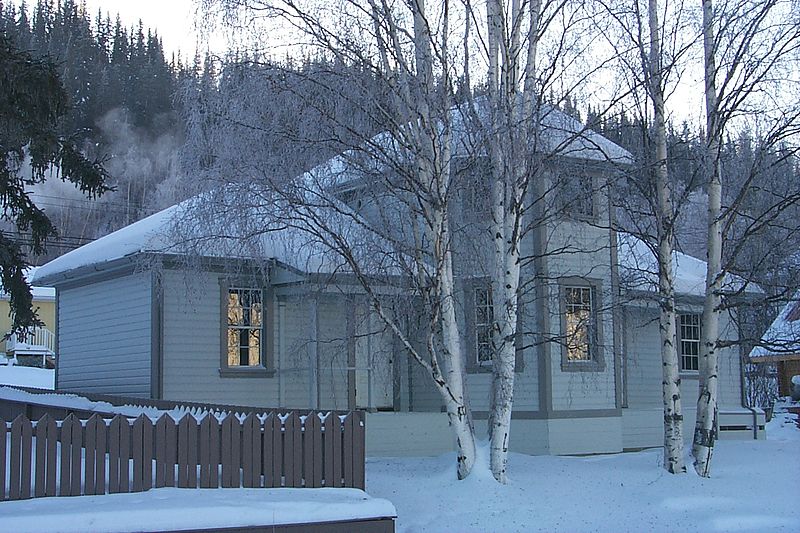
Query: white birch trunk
(705, 431)
(505, 286)
(458, 413)
(509, 145)
(671, 382)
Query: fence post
(142, 451)
(231, 451)
(3, 432)
(251, 452)
(273, 453)
(313, 450)
(45, 465)
(359, 450)
(347, 446)
(21, 443)
(292, 450)
(166, 451)
(95, 456)
(71, 451)
(119, 438)
(187, 452)
(209, 452)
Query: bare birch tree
(509, 144)
(746, 48)
(413, 48)
(407, 47)
(651, 52)
(671, 381)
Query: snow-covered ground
(170, 509)
(754, 488)
(25, 376)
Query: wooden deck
(376, 525)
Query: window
(577, 194)
(484, 322)
(473, 177)
(689, 331)
(244, 328)
(579, 323)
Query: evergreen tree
(32, 102)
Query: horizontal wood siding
(293, 365)
(332, 353)
(586, 256)
(408, 434)
(644, 363)
(576, 436)
(104, 336)
(644, 428)
(191, 346)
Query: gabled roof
(639, 271)
(241, 224)
(559, 134)
(782, 338)
(229, 225)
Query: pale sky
(174, 20)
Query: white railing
(35, 341)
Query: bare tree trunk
(458, 412)
(671, 382)
(509, 147)
(505, 291)
(705, 431)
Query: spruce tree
(33, 101)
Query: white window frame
(689, 339)
(484, 324)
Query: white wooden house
(285, 325)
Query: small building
(780, 346)
(37, 348)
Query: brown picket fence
(75, 457)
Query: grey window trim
(679, 340)
(267, 366)
(563, 204)
(597, 362)
(473, 164)
(470, 340)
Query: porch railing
(37, 340)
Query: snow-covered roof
(238, 224)
(639, 271)
(559, 134)
(783, 335)
(38, 292)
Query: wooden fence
(72, 457)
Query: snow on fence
(72, 457)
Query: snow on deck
(168, 509)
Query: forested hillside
(168, 126)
